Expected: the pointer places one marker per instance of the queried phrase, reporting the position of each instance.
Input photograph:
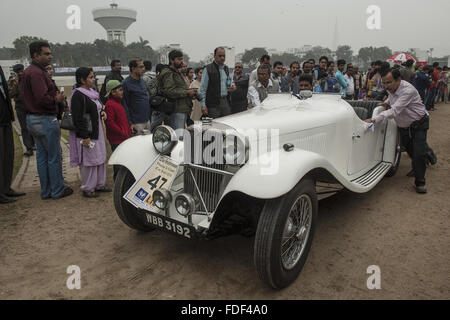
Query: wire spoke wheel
(296, 231)
(284, 235)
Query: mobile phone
(62, 89)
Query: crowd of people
(174, 95)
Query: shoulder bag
(67, 120)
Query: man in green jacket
(173, 86)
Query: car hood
(287, 113)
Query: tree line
(102, 52)
(98, 53)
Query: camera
(197, 96)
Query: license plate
(169, 225)
(160, 175)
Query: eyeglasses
(238, 67)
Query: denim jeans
(431, 95)
(46, 133)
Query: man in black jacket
(115, 74)
(6, 144)
(216, 87)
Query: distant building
(294, 51)
(273, 51)
(116, 21)
(230, 54)
(299, 51)
(420, 55)
(445, 61)
(305, 49)
(239, 57)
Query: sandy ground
(405, 234)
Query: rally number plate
(160, 175)
(169, 225)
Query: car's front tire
(284, 235)
(126, 212)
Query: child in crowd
(117, 126)
(305, 82)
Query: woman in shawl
(87, 142)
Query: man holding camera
(290, 82)
(405, 106)
(172, 86)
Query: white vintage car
(264, 181)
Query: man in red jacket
(117, 126)
(433, 88)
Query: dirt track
(405, 234)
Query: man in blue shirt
(135, 98)
(422, 82)
(216, 87)
(341, 78)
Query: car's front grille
(209, 183)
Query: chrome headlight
(164, 139)
(161, 198)
(185, 204)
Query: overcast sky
(201, 25)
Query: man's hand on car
(385, 106)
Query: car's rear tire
(278, 230)
(397, 158)
(126, 212)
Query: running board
(371, 176)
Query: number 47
(154, 182)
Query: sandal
(90, 194)
(104, 189)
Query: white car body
(328, 137)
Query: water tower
(115, 20)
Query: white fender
(136, 154)
(256, 181)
